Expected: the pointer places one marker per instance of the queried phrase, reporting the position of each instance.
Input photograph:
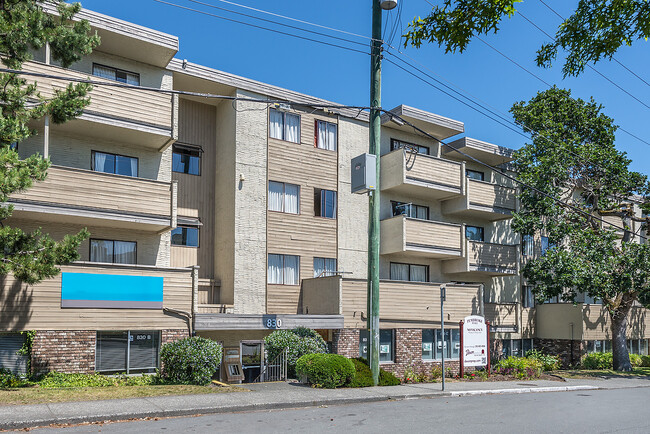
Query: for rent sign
(475, 351)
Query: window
(545, 245)
(284, 126)
(398, 144)
(409, 272)
(185, 236)
(186, 159)
(474, 233)
(324, 267)
(591, 300)
(526, 346)
(433, 345)
(528, 245)
(386, 345)
(599, 346)
(515, 347)
(113, 252)
(528, 297)
(127, 351)
(116, 74)
(324, 203)
(283, 269)
(284, 197)
(113, 163)
(410, 210)
(475, 174)
(326, 135)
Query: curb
(44, 422)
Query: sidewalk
(268, 396)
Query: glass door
(251, 360)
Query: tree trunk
(620, 355)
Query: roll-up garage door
(9, 359)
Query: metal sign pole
(462, 349)
(443, 295)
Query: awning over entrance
(225, 321)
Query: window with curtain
(116, 74)
(284, 197)
(113, 163)
(324, 267)
(324, 203)
(186, 159)
(409, 272)
(475, 174)
(113, 252)
(284, 126)
(410, 210)
(326, 135)
(283, 269)
(528, 297)
(187, 236)
(474, 233)
(528, 245)
(398, 144)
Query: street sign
(475, 341)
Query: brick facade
(172, 335)
(71, 351)
(562, 348)
(346, 342)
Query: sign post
(443, 296)
(474, 338)
(462, 350)
(487, 323)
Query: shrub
(363, 376)
(298, 342)
(645, 361)
(191, 360)
(53, 380)
(635, 360)
(597, 361)
(9, 380)
(325, 370)
(519, 367)
(549, 362)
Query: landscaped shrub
(298, 342)
(325, 370)
(10, 380)
(53, 380)
(597, 361)
(519, 367)
(645, 361)
(549, 362)
(190, 361)
(635, 360)
(363, 376)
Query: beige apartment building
(228, 218)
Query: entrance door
(251, 360)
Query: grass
(604, 373)
(37, 395)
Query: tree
(25, 27)
(572, 158)
(596, 30)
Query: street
(620, 410)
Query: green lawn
(604, 373)
(37, 395)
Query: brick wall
(64, 351)
(172, 335)
(562, 348)
(346, 342)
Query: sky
(343, 76)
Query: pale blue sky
(343, 76)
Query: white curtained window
(283, 269)
(399, 271)
(284, 197)
(275, 124)
(284, 126)
(326, 136)
(324, 267)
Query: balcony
(409, 304)
(421, 175)
(99, 199)
(421, 238)
(483, 200)
(487, 259)
(126, 115)
(93, 296)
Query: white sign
(475, 351)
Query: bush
(190, 361)
(645, 361)
(363, 376)
(519, 367)
(53, 380)
(549, 362)
(9, 380)
(635, 360)
(325, 370)
(597, 361)
(298, 342)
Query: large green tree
(578, 178)
(25, 28)
(595, 30)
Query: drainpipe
(195, 292)
(481, 303)
(571, 324)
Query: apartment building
(229, 218)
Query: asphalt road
(620, 410)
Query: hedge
(363, 376)
(190, 360)
(327, 371)
(298, 342)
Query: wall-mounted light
(242, 178)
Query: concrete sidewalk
(268, 396)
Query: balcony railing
(423, 238)
(488, 258)
(80, 190)
(422, 175)
(483, 200)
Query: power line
(260, 27)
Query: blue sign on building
(86, 290)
